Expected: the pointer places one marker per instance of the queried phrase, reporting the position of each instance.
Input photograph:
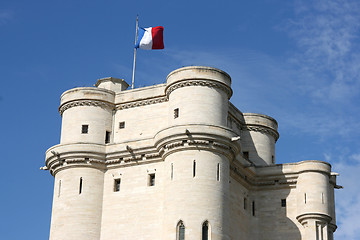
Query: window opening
(117, 185)
(246, 155)
(194, 168)
(107, 137)
(176, 113)
(305, 197)
(205, 231)
(121, 125)
(322, 198)
(59, 188)
(218, 172)
(273, 159)
(180, 235)
(245, 203)
(253, 208)
(84, 129)
(151, 181)
(80, 185)
(283, 202)
(172, 171)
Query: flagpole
(136, 33)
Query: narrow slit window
(245, 203)
(59, 188)
(80, 185)
(121, 125)
(180, 231)
(218, 172)
(273, 159)
(205, 231)
(305, 198)
(107, 137)
(84, 129)
(172, 171)
(176, 113)
(283, 202)
(253, 208)
(322, 198)
(117, 185)
(194, 168)
(151, 179)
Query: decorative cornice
(142, 102)
(255, 128)
(302, 218)
(81, 103)
(262, 182)
(61, 163)
(202, 83)
(209, 145)
(262, 130)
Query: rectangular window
(283, 202)
(107, 137)
(151, 179)
(121, 125)
(84, 129)
(246, 155)
(176, 113)
(117, 185)
(253, 208)
(245, 203)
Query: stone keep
(179, 161)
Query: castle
(179, 161)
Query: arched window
(180, 231)
(205, 231)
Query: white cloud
(348, 198)
(355, 157)
(5, 16)
(322, 123)
(326, 33)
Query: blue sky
(297, 61)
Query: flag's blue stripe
(141, 32)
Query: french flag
(150, 38)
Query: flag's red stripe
(157, 36)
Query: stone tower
(179, 161)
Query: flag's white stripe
(146, 41)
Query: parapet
(113, 84)
(86, 96)
(199, 75)
(253, 120)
